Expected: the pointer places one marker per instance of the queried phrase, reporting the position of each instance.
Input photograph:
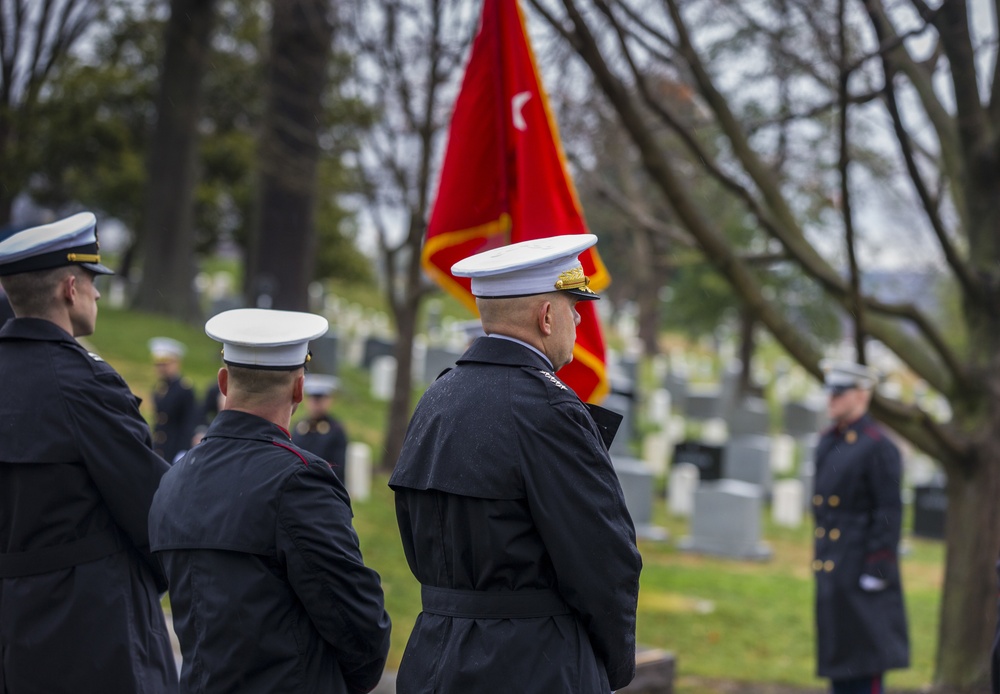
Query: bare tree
(413, 51)
(858, 66)
(283, 255)
(167, 237)
(35, 37)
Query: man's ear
(299, 389)
(224, 381)
(545, 318)
(67, 288)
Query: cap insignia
(573, 279)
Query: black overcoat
(79, 595)
(504, 487)
(858, 513)
(267, 584)
(324, 437)
(176, 414)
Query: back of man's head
(505, 315)
(35, 294)
(253, 389)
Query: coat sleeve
(884, 475)
(325, 568)
(115, 444)
(578, 506)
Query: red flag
(504, 179)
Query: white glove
(872, 584)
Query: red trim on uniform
(880, 555)
(877, 684)
(874, 432)
(287, 433)
(289, 448)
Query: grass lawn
(727, 620)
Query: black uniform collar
(489, 350)
(233, 424)
(34, 329)
(862, 422)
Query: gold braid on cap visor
(83, 257)
(574, 279)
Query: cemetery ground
(735, 627)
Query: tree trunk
(283, 255)
(167, 231)
(399, 409)
(972, 536)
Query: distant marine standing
(175, 409)
(860, 617)
(319, 432)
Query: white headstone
(726, 521)
(782, 453)
(714, 431)
(748, 458)
(683, 483)
(787, 505)
(116, 292)
(419, 351)
(659, 406)
(637, 486)
(358, 474)
(656, 449)
(383, 377)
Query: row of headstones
(375, 355)
(726, 512)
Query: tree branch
(796, 246)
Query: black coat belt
(40, 561)
(492, 604)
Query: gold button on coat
(834, 500)
(835, 534)
(828, 565)
(817, 565)
(820, 532)
(817, 500)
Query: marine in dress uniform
(79, 590)
(319, 432)
(860, 618)
(510, 513)
(175, 409)
(267, 584)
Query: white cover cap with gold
(166, 349)
(839, 376)
(258, 338)
(70, 241)
(531, 267)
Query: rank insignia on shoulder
(555, 381)
(95, 357)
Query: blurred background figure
(175, 411)
(861, 628)
(211, 404)
(319, 432)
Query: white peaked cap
(847, 374)
(531, 267)
(70, 241)
(166, 348)
(320, 384)
(260, 338)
